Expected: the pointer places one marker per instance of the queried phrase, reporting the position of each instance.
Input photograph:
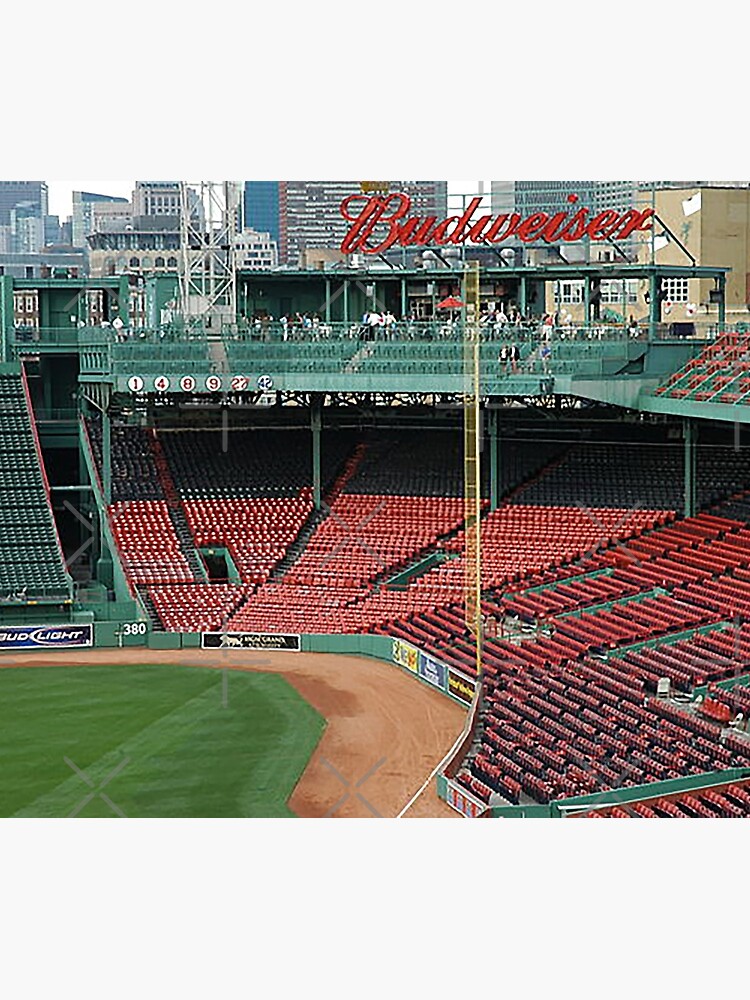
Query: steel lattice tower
(210, 219)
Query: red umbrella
(450, 303)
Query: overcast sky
(61, 192)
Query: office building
(84, 204)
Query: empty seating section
(719, 374)
(368, 535)
(256, 532)
(149, 548)
(134, 472)
(551, 735)
(416, 463)
(723, 802)
(364, 538)
(244, 491)
(31, 560)
(196, 608)
(735, 701)
(519, 540)
(628, 474)
(620, 474)
(244, 464)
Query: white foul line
(413, 799)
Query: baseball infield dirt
(386, 731)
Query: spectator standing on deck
(545, 354)
(515, 356)
(503, 359)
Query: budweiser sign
(381, 222)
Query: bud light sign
(45, 636)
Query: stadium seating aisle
(255, 531)
(148, 544)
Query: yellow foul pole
(472, 453)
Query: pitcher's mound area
(175, 733)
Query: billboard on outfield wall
(45, 636)
(250, 640)
(406, 655)
(432, 671)
(461, 687)
(462, 802)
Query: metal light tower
(210, 218)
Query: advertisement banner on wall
(45, 636)
(461, 687)
(461, 802)
(405, 654)
(431, 671)
(250, 640)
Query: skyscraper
(262, 207)
(23, 207)
(12, 193)
(305, 215)
(83, 215)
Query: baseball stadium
(452, 522)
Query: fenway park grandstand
(297, 462)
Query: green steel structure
(300, 340)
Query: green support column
(689, 435)
(105, 570)
(316, 422)
(722, 301)
(494, 461)
(654, 305)
(587, 301)
(6, 315)
(106, 456)
(523, 295)
(44, 322)
(404, 301)
(328, 300)
(346, 301)
(123, 300)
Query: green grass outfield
(156, 740)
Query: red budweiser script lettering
(381, 222)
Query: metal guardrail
(400, 330)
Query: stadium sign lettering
(379, 223)
(36, 636)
